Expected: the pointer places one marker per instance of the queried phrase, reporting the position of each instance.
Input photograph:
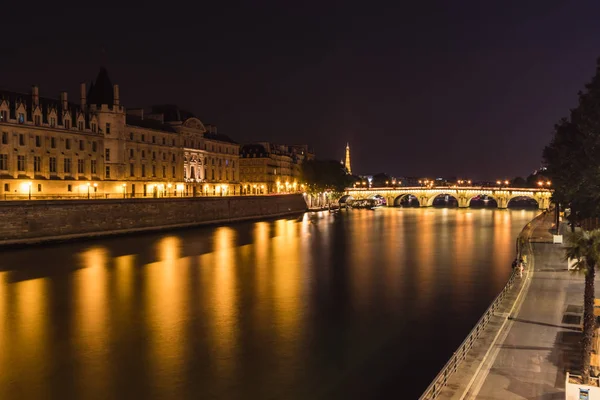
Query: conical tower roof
(101, 91)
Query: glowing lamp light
(498, 182)
(95, 185)
(180, 186)
(169, 185)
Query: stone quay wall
(37, 221)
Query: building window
(80, 125)
(4, 162)
(107, 154)
(69, 188)
(67, 124)
(6, 187)
(173, 172)
(94, 147)
(52, 165)
(4, 137)
(173, 158)
(93, 127)
(164, 141)
(3, 116)
(153, 139)
(108, 127)
(21, 163)
(173, 142)
(154, 171)
(107, 174)
(143, 170)
(39, 187)
(232, 164)
(21, 118)
(131, 170)
(130, 153)
(164, 156)
(68, 144)
(67, 165)
(21, 139)
(213, 174)
(143, 137)
(154, 155)
(53, 142)
(81, 166)
(37, 120)
(93, 167)
(38, 141)
(130, 135)
(164, 171)
(52, 122)
(82, 145)
(143, 154)
(37, 164)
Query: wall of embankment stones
(36, 221)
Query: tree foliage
(573, 155)
(381, 180)
(325, 175)
(584, 247)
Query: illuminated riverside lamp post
(88, 188)
(95, 189)
(169, 186)
(29, 186)
(262, 189)
(124, 190)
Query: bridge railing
(435, 388)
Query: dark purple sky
(438, 88)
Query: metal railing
(438, 383)
(103, 196)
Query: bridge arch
(446, 200)
(344, 199)
(522, 201)
(483, 201)
(406, 200)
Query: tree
(573, 156)
(381, 180)
(518, 182)
(325, 175)
(584, 246)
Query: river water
(354, 305)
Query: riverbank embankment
(460, 376)
(33, 222)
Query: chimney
(83, 95)
(35, 94)
(63, 100)
(116, 95)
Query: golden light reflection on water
(287, 283)
(91, 316)
(221, 267)
(167, 301)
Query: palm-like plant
(584, 246)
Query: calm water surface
(354, 305)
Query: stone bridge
(463, 195)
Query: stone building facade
(272, 168)
(96, 148)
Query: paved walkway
(539, 342)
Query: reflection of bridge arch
(431, 200)
(409, 200)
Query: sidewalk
(539, 341)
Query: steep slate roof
(101, 92)
(45, 103)
(172, 113)
(148, 123)
(219, 137)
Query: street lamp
(506, 182)
(124, 190)
(540, 183)
(29, 184)
(498, 182)
(88, 188)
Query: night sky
(435, 88)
